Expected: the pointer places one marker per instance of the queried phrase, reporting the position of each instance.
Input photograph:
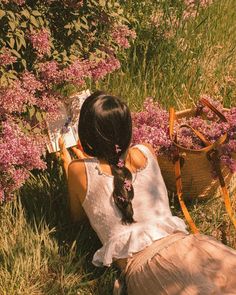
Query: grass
(41, 251)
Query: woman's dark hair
(105, 131)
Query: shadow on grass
(44, 199)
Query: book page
(67, 125)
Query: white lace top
(151, 211)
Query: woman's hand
(65, 155)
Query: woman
(122, 192)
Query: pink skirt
(182, 264)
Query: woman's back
(153, 219)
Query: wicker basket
(197, 180)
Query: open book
(67, 124)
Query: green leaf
(2, 13)
(18, 43)
(11, 42)
(16, 53)
(23, 61)
(34, 21)
(25, 13)
(39, 116)
(28, 126)
(41, 21)
(37, 130)
(11, 75)
(21, 38)
(77, 26)
(102, 3)
(12, 15)
(23, 24)
(68, 26)
(31, 112)
(3, 81)
(12, 25)
(36, 13)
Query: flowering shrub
(167, 23)
(152, 126)
(45, 47)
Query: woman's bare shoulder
(76, 167)
(138, 159)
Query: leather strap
(214, 157)
(178, 179)
(179, 187)
(213, 109)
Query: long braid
(123, 192)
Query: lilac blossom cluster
(27, 91)
(51, 73)
(152, 126)
(19, 154)
(40, 41)
(6, 58)
(121, 35)
(192, 7)
(105, 66)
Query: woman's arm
(74, 174)
(76, 190)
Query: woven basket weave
(196, 172)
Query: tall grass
(41, 251)
(199, 57)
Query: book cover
(67, 123)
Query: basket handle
(178, 179)
(196, 132)
(206, 142)
(206, 103)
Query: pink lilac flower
(191, 9)
(40, 41)
(50, 73)
(103, 67)
(77, 72)
(120, 35)
(2, 195)
(152, 126)
(122, 199)
(127, 184)
(14, 97)
(19, 176)
(6, 57)
(120, 163)
(229, 162)
(20, 149)
(49, 103)
(19, 153)
(30, 83)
